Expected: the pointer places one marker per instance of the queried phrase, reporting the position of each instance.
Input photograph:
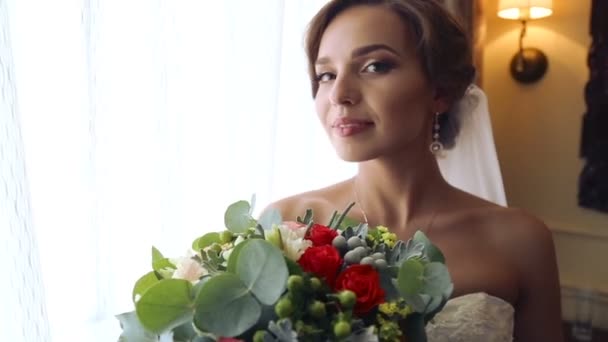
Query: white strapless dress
(476, 317)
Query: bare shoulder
(321, 201)
(514, 232)
(507, 226)
(517, 229)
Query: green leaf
(308, 217)
(206, 240)
(293, 267)
(144, 283)
(165, 305)
(225, 307)
(261, 266)
(156, 255)
(411, 277)
(237, 217)
(132, 330)
(160, 264)
(338, 223)
(184, 333)
(348, 222)
(436, 279)
(269, 218)
(432, 252)
(234, 256)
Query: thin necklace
(428, 227)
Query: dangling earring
(436, 146)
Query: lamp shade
(524, 9)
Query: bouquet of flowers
(269, 280)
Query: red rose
(322, 261)
(321, 235)
(364, 281)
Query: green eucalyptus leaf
(411, 277)
(165, 305)
(436, 279)
(234, 256)
(184, 333)
(132, 330)
(269, 218)
(237, 217)
(432, 252)
(261, 266)
(418, 302)
(225, 307)
(206, 240)
(144, 283)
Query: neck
(399, 193)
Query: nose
(344, 92)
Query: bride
(388, 79)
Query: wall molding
(571, 295)
(565, 229)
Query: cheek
(321, 107)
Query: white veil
(472, 164)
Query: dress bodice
(473, 317)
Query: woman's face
(373, 97)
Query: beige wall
(537, 130)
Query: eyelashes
(376, 67)
(380, 67)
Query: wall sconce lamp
(529, 64)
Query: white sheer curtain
(136, 122)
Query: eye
(325, 77)
(378, 67)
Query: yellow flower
(382, 229)
(389, 239)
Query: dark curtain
(593, 181)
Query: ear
(441, 101)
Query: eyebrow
(361, 51)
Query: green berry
(354, 242)
(284, 308)
(347, 298)
(378, 255)
(367, 261)
(216, 247)
(315, 283)
(380, 264)
(226, 236)
(352, 257)
(317, 309)
(259, 336)
(342, 329)
(362, 251)
(295, 283)
(339, 242)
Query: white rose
(293, 241)
(189, 269)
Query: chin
(354, 156)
